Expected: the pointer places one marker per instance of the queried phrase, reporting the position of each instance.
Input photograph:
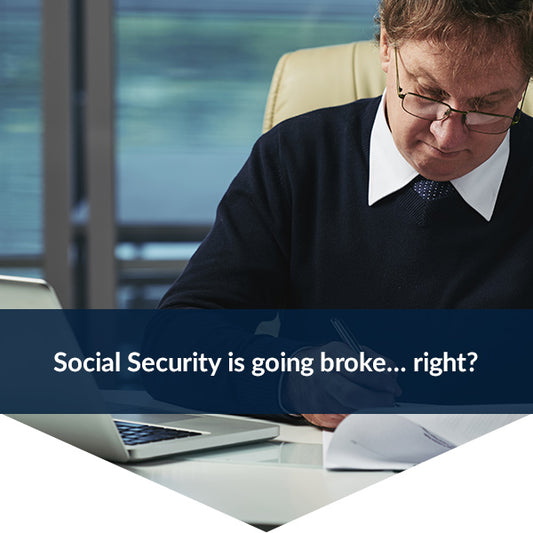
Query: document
(399, 441)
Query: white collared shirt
(389, 171)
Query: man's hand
(325, 421)
(334, 392)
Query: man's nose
(450, 133)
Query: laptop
(127, 438)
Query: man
(418, 199)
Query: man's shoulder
(357, 114)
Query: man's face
(444, 150)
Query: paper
(399, 441)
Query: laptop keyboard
(133, 434)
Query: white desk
(264, 484)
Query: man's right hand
(336, 393)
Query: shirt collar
(389, 171)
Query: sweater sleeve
(244, 261)
(242, 264)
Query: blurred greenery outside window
(191, 89)
(191, 92)
(20, 138)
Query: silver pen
(348, 338)
(345, 334)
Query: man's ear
(385, 51)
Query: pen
(348, 338)
(345, 334)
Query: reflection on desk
(265, 484)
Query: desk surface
(265, 484)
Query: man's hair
(478, 26)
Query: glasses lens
(428, 109)
(487, 123)
(424, 107)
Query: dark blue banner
(266, 362)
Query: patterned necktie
(432, 190)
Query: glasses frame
(514, 119)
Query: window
(191, 88)
(191, 81)
(21, 243)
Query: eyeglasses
(434, 110)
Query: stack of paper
(399, 441)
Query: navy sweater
(295, 230)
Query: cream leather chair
(332, 75)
